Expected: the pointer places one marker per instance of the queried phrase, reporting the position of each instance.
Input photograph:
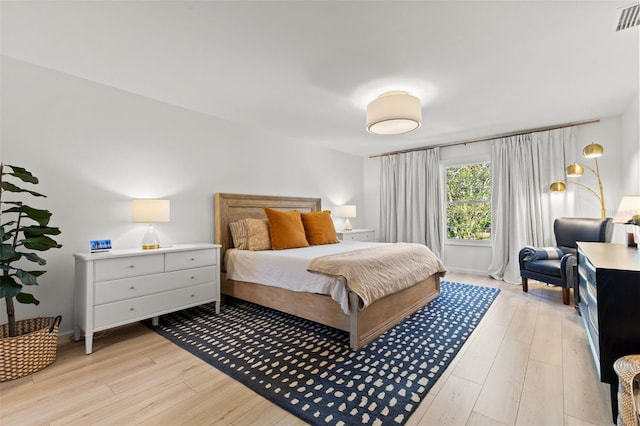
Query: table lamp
(150, 211)
(628, 213)
(347, 211)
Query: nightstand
(357, 235)
(124, 286)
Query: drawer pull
(132, 309)
(193, 295)
(193, 278)
(192, 259)
(132, 288)
(131, 266)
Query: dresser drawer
(190, 259)
(582, 284)
(349, 237)
(113, 269)
(589, 270)
(592, 309)
(111, 291)
(124, 311)
(593, 337)
(357, 235)
(367, 236)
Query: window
(469, 202)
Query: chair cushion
(547, 267)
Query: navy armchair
(562, 271)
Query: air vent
(628, 17)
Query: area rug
(309, 370)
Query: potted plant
(29, 345)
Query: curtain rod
(502, 135)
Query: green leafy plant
(26, 230)
(635, 220)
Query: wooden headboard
(231, 207)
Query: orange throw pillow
(319, 228)
(286, 229)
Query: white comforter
(288, 269)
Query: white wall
(95, 148)
(628, 166)
(618, 169)
(631, 148)
(618, 166)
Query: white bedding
(288, 269)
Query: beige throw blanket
(374, 273)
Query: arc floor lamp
(593, 150)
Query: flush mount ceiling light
(393, 113)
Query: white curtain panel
(523, 208)
(410, 199)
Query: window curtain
(410, 199)
(523, 208)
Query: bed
(363, 325)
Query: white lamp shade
(393, 113)
(629, 206)
(346, 211)
(151, 211)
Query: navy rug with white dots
(309, 370)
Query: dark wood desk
(609, 288)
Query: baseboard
(467, 271)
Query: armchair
(562, 272)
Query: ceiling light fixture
(393, 113)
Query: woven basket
(33, 348)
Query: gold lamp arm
(603, 213)
(584, 187)
(603, 210)
(596, 172)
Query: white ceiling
(305, 70)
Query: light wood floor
(527, 363)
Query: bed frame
(363, 325)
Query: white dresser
(124, 286)
(357, 235)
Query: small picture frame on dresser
(97, 246)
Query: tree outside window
(469, 202)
